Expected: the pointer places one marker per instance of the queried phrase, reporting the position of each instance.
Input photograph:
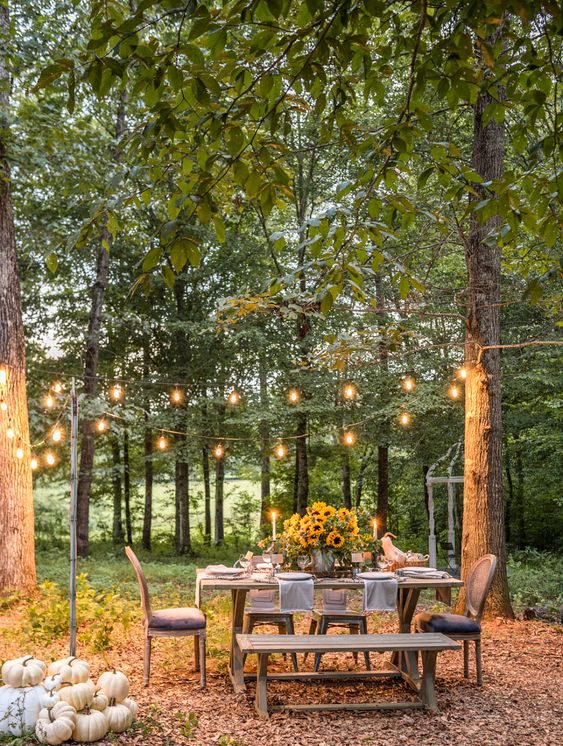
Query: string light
(50, 459)
(49, 401)
(405, 419)
(101, 426)
(3, 406)
(57, 435)
(162, 443)
(19, 452)
(3, 376)
(57, 387)
(349, 438)
(462, 372)
(294, 396)
(280, 451)
(219, 451)
(116, 392)
(408, 384)
(34, 463)
(349, 391)
(176, 396)
(10, 432)
(234, 398)
(454, 391)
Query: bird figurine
(391, 552)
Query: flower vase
(323, 561)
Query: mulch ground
(521, 701)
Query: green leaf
(52, 262)
(219, 228)
(152, 259)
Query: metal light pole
(73, 497)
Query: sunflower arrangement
(324, 527)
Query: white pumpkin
(55, 724)
(78, 695)
(91, 725)
(114, 684)
(53, 682)
(132, 705)
(71, 669)
(49, 698)
(100, 701)
(118, 717)
(25, 671)
(19, 708)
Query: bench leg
(427, 693)
(322, 629)
(312, 631)
(261, 686)
(364, 630)
(291, 631)
(236, 659)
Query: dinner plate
(419, 570)
(224, 571)
(294, 575)
(369, 575)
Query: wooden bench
(408, 645)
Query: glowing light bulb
(405, 419)
(49, 401)
(3, 406)
(162, 443)
(10, 432)
(408, 384)
(234, 398)
(34, 463)
(294, 396)
(57, 387)
(3, 376)
(19, 452)
(349, 438)
(219, 451)
(454, 391)
(349, 391)
(280, 451)
(462, 372)
(101, 426)
(50, 459)
(57, 435)
(116, 392)
(176, 396)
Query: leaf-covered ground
(521, 701)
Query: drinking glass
(244, 563)
(267, 558)
(302, 561)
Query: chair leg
(466, 658)
(196, 653)
(202, 660)
(312, 631)
(354, 630)
(322, 631)
(147, 661)
(364, 630)
(478, 662)
(291, 631)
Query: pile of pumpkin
(63, 703)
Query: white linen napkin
(296, 595)
(422, 572)
(380, 594)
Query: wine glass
(302, 561)
(244, 563)
(267, 558)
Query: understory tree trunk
(264, 445)
(360, 478)
(220, 480)
(382, 511)
(483, 508)
(182, 482)
(301, 465)
(117, 531)
(148, 456)
(346, 480)
(127, 488)
(17, 549)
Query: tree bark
(360, 478)
(127, 488)
(346, 481)
(382, 511)
(264, 445)
(88, 443)
(117, 531)
(301, 464)
(17, 549)
(148, 456)
(182, 482)
(483, 513)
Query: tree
(17, 548)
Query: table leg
(261, 686)
(427, 693)
(236, 663)
(407, 599)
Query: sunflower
(343, 514)
(316, 528)
(334, 539)
(328, 512)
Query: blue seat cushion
(447, 624)
(177, 619)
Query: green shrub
(535, 580)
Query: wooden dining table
(408, 593)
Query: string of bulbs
(348, 438)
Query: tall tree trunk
(92, 349)
(182, 483)
(264, 444)
(382, 511)
(346, 481)
(127, 487)
(360, 478)
(382, 508)
(17, 549)
(302, 466)
(483, 512)
(219, 496)
(148, 456)
(117, 532)
(425, 470)
(206, 476)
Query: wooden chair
(335, 613)
(465, 627)
(264, 612)
(178, 622)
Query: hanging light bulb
(454, 391)
(294, 396)
(234, 398)
(162, 443)
(101, 426)
(219, 451)
(462, 372)
(50, 459)
(49, 401)
(3, 376)
(3, 406)
(34, 463)
(349, 438)
(57, 387)
(19, 452)
(116, 392)
(405, 419)
(280, 451)
(176, 396)
(349, 391)
(57, 435)
(10, 432)
(408, 384)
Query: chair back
(335, 601)
(143, 587)
(478, 585)
(262, 600)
